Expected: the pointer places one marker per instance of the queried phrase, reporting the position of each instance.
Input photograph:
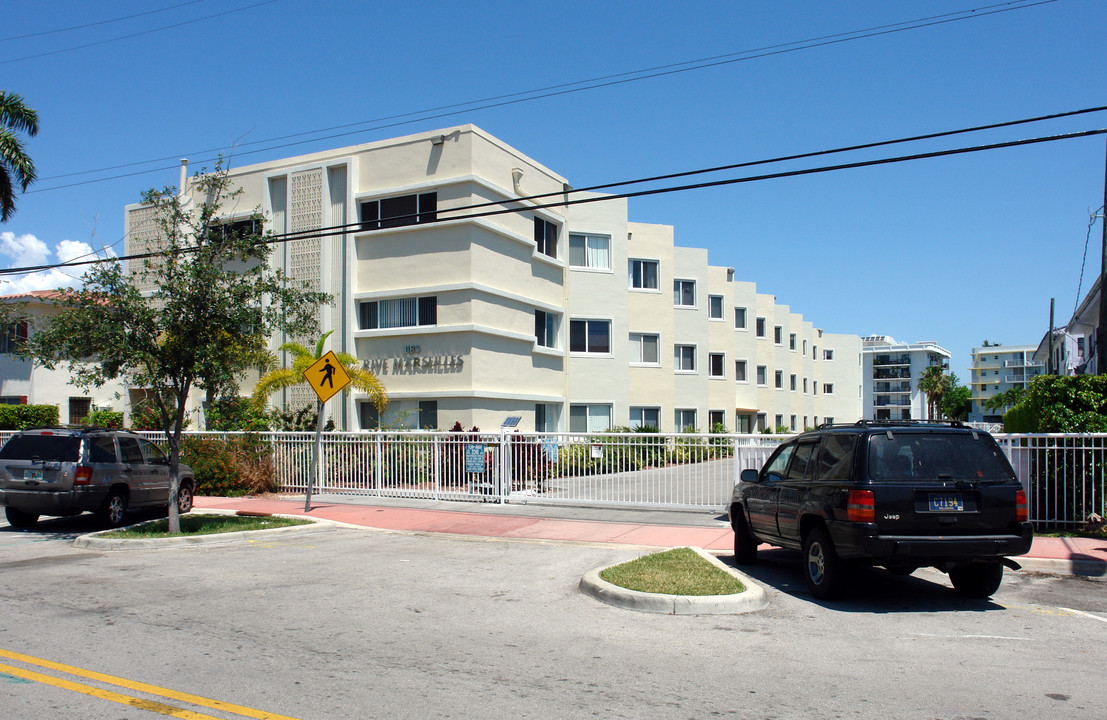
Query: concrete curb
(754, 598)
(1089, 569)
(95, 542)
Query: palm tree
(933, 382)
(14, 163)
(302, 359)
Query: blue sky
(955, 250)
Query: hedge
(19, 417)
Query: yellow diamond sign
(326, 376)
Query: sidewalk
(654, 528)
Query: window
(836, 456)
(590, 336)
(645, 417)
(643, 275)
(589, 418)
(716, 418)
(805, 386)
(792, 423)
(778, 335)
(715, 307)
(368, 416)
(398, 313)
(399, 211)
(779, 379)
(814, 352)
(428, 414)
(829, 355)
(645, 349)
(590, 251)
(804, 347)
(814, 387)
(760, 327)
(14, 335)
(545, 417)
(828, 420)
(762, 421)
(79, 408)
(546, 326)
(739, 318)
(779, 421)
(715, 365)
(685, 420)
(792, 382)
(684, 293)
(685, 358)
(828, 388)
(791, 341)
(545, 237)
(235, 229)
(740, 371)
(761, 375)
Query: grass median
(204, 525)
(674, 572)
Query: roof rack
(893, 423)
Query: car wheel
(114, 509)
(823, 570)
(978, 580)
(20, 519)
(184, 498)
(745, 546)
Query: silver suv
(67, 471)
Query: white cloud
(23, 250)
(27, 250)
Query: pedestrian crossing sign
(327, 376)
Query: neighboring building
(997, 369)
(1074, 346)
(891, 373)
(558, 314)
(26, 382)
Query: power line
(445, 111)
(100, 22)
(333, 230)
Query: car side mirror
(749, 475)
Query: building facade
(996, 369)
(892, 371)
(478, 287)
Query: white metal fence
(1063, 474)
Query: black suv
(66, 471)
(903, 495)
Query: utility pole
(1101, 329)
(1049, 357)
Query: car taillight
(861, 506)
(83, 475)
(1021, 513)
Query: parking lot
(357, 623)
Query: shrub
(231, 467)
(237, 413)
(105, 418)
(20, 417)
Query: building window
(235, 229)
(792, 423)
(827, 420)
(590, 336)
(685, 420)
(814, 352)
(740, 371)
(760, 327)
(762, 421)
(643, 275)
(368, 416)
(792, 382)
(589, 418)
(804, 347)
(716, 418)
(79, 408)
(778, 335)
(805, 386)
(398, 313)
(715, 365)
(428, 414)
(715, 307)
(780, 421)
(761, 375)
(791, 341)
(814, 387)
(685, 358)
(546, 327)
(829, 355)
(779, 379)
(645, 349)
(14, 336)
(399, 211)
(545, 237)
(828, 388)
(739, 318)
(590, 251)
(684, 293)
(641, 417)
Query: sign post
(327, 377)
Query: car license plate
(33, 474)
(946, 503)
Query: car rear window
(936, 456)
(64, 448)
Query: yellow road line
(130, 685)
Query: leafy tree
(957, 399)
(1061, 404)
(933, 383)
(207, 283)
(1005, 399)
(16, 167)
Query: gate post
(505, 465)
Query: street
(365, 624)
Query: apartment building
(892, 371)
(560, 311)
(996, 369)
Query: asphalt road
(364, 624)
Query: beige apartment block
(479, 287)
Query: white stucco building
(568, 316)
(892, 371)
(996, 369)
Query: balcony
(892, 373)
(889, 360)
(892, 387)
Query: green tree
(957, 399)
(1061, 404)
(933, 383)
(1008, 398)
(208, 282)
(16, 167)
